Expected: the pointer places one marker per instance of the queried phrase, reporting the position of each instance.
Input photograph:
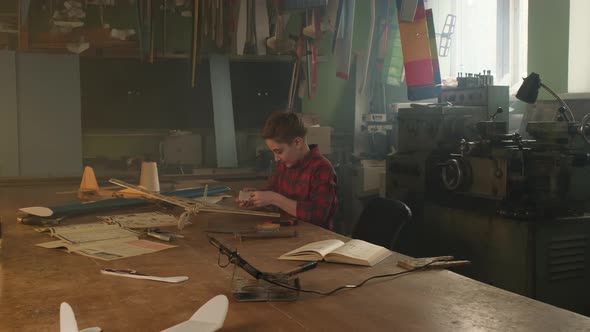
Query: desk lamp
(529, 92)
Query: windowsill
(575, 95)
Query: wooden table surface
(34, 281)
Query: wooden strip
(261, 24)
(343, 48)
(445, 261)
(150, 18)
(164, 27)
(241, 27)
(195, 39)
(148, 194)
(241, 211)
(140, 30)
(283, 233)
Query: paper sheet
(90, 232)
(109, 249)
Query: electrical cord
(420, 268)
(235, 258)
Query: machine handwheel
(453, 175)
(584, 129)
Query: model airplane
(208, 318)
(192, 207)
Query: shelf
(247, 57)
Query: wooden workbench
(36, 280)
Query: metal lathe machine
(516, 207)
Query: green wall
(548, 43)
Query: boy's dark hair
(283, 127)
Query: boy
(304, 182)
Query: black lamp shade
(529, 90)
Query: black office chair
(381, 221)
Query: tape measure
(268, 227)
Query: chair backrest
(381, 221)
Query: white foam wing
(208, 318)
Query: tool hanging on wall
(337, 24)
(164, 27)
(261, 26)
(150, 19)
(301, 83)
(205, 17)
(308, 57)
(140, 29)
(278, 43)
(213, 16)
(367, 59)
(250, 45)
(343, 45)
(220, 23)
(377, 53)
(242, 27)
(195, 46)
(232, 9)
(294, 84)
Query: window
(579, 47)
(488, 35)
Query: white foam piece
(149, 176)
(210, 317)
(39, 211)
(67, 320)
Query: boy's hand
(244, 198)
(262, 198)
(244, 204)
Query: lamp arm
(561, 101)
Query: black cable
(236, 259)
(419, 268)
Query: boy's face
(289, 154)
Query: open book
(355, 252)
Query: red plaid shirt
(312, 183)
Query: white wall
(579, 47)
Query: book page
(360, 252)
(321, 248)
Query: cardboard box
(322, 136)
(309, 119)
(182, 150)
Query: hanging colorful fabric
(393, 64)
(417, 57)
(433, 48)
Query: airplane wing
(208, 318)
(67, 320)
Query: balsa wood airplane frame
(192, 207)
